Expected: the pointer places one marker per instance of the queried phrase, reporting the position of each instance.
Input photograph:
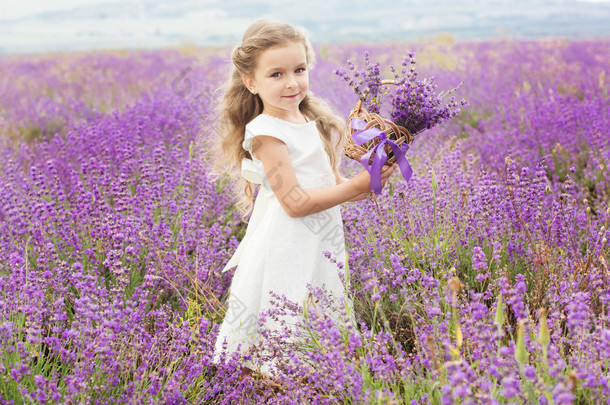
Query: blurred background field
(484, 279)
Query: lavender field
(484, 279)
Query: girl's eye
(300, 70)
(276, 74)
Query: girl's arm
(296, 201)
(359, 197)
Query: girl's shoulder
(261, 120)
(264, 124)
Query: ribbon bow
(363, 135)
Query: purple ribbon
(364, 135)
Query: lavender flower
(113, 233)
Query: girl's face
(281, 80)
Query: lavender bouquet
(390, 113)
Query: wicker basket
(397, 133)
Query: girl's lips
(293, 96)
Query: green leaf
(499, 319)
(544, 336)
(520, 350)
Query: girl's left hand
(386, 172)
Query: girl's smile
(281, 80)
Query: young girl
(287, 141)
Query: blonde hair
(238, 106)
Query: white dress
(278, 252)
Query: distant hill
(35, 26)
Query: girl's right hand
(362, 180)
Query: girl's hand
(362, 181)
(385, 175)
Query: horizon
(36, 26)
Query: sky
(30, 26)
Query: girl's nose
(291, 82)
